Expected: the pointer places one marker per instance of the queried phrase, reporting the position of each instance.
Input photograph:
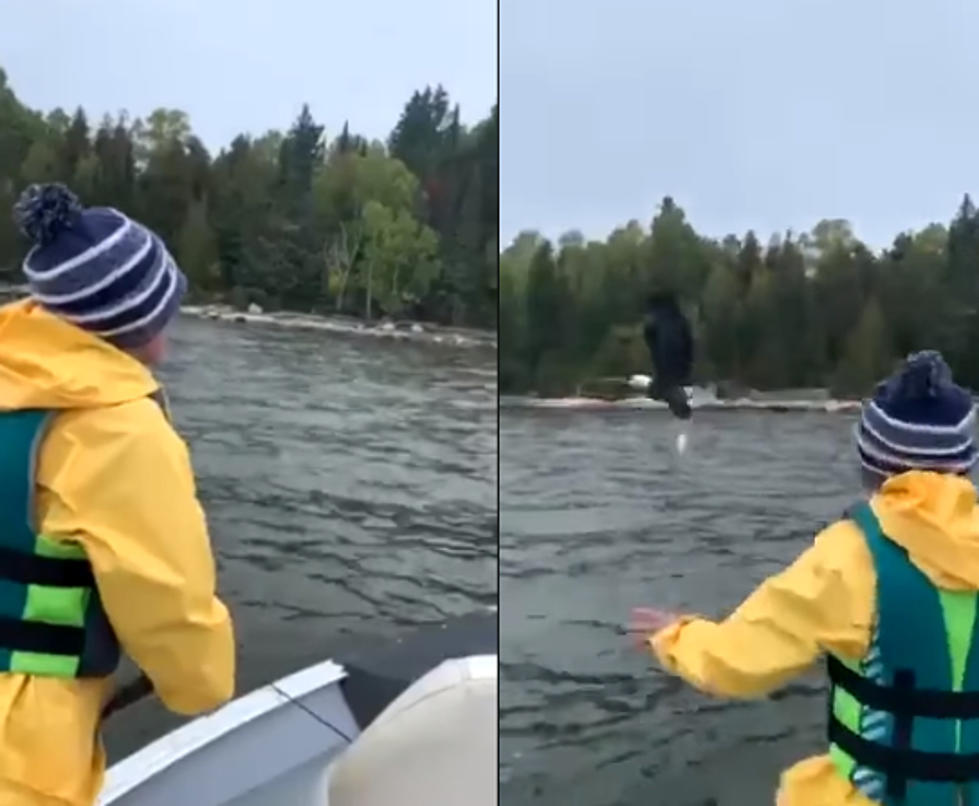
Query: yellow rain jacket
(825, 602)
(113, 477)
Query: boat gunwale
(160, 754)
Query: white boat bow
(361, 724)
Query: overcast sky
(768, 114)
(248, 65)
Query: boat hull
(276, 744)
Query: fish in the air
(670, 342)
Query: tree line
(819, 309)
(406, 228)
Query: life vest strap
(41, 637)
(904, 764)
(913, 702)
(54, 572)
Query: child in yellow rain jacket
(103, 544)
(888, 595)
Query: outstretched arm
(822, 602)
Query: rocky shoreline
(639, 403)
(396, 330)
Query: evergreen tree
(77, 146)
(283, 219)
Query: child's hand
(648, 620)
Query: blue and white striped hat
(919, 419)
(96, 268)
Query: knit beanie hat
(919, 419)
(96, 268)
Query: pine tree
(77, 145)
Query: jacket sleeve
(823, 602)
(119, 482)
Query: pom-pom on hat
(97, 268)
(918, 419)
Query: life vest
(904, 721)
(51, 618)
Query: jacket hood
(935, 518)
(46, 362)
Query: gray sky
(765, 114)
(248, 65)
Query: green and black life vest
(51, 618)
(904, 721)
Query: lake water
(598, 515)
(350, 487)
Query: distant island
(815, 310)
(294, 220)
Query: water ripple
(598, 515)
(350, 487)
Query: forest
(816, 309)
(288, 219)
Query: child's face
(154, 352)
